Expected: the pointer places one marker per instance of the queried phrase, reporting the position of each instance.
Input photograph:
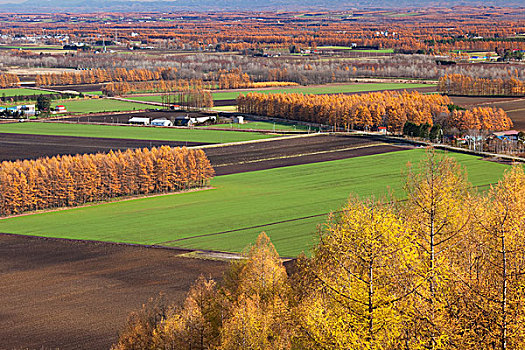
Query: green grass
(23, 92)
(99, 105)
(378, 51)
(130, 132)
(327, 89)
(260, 126)
(241, 201)
(317, 90)
(334, 48)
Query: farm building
(190, 121)
(161, 122)
(23, 110)
(139, 121)
(238, 119)
(60, 109)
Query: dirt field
(77, 295)
(21, 146)
(515, 107)
(295, 151)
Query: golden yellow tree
(360, 281)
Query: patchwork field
(130, 132)
(288, 203)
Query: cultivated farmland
(288, 203)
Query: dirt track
(21, 146)
(77, 295)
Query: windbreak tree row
(73, 180)
(9, 80)
(95, 76)
(389, 109)
(458, 84)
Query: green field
(240, 202)
(99, 105)
(327, 89)
(22, 92)
(130, 132)
(259, 126)
(317, 90)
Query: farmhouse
(23, 110)
(139, 121)
(60, 109)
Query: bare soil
(60, 294)
(22, 146)
(295, 151)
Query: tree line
(389, 109)
(95, 76)
(9, 80)
(441, 269)
(224, 82)
(458, 84)
(74, 180)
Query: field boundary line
(306, 154)
(277, 138)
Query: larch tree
(360, 281)
(437, 210)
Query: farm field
(326, 89)
(22, 146)
(317, 89)
(130, 132)
(98, 105)
(48, 283)
(258, 126)
(288, 203)
(22, 92)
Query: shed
(238, 119)
(161, 122)
(139, 121)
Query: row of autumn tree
(443, 269)
(9, 80)
(458, 84)
(390, 109)
(73, 180)
(95, 76)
